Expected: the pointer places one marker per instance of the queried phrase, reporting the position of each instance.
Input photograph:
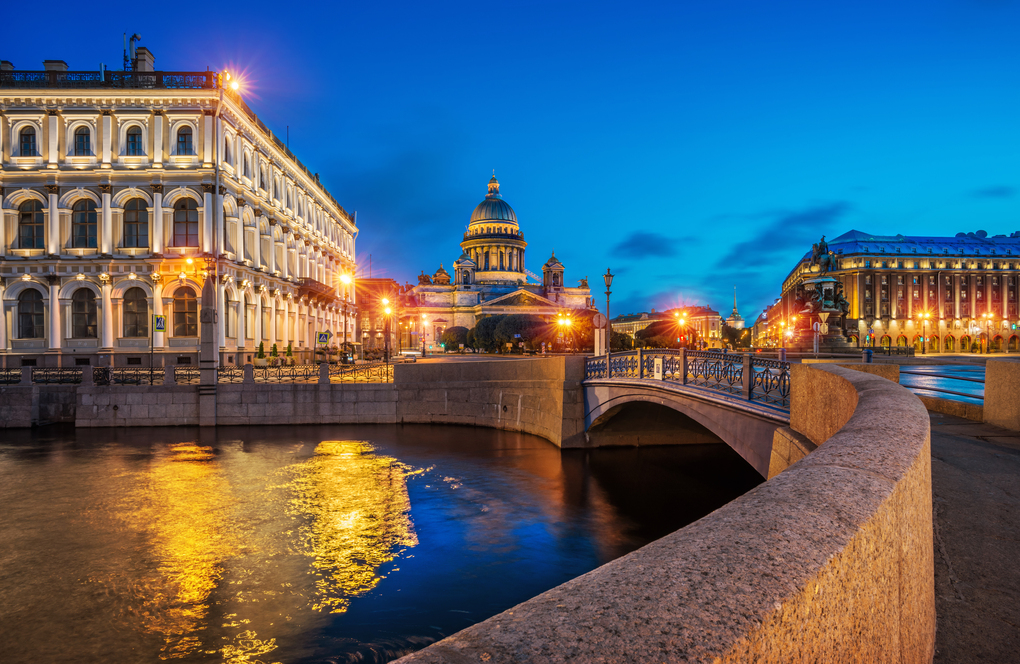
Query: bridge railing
(742, 375)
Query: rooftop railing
(80, 80)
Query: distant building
(703, 320)
(489, 278)
(374, 296)
(736, 321)
(967, 285)
(123, 192)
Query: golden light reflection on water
(358, 518)
(185, 509)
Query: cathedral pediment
(520, 298)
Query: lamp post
(345, 279)
(424, 321)
(988, 331)
(608, 278)
(386, 330)
(924, 332)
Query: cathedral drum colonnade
(122, 192)
(489, 278)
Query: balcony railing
(315, 289)
(79, 80)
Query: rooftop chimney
(6, 65)
(54, 65)
(144, 60)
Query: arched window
(82, 142)
(30, 315)
(83, 314)
(27, 142)
(184, 143)
(136, 223)
(136, 313)
(185, 313)
(30, 225)
(230, 317)
(83, 224)
(262, 179)
(186, 223)
(134, 142)
(226, 151)
(247, 164)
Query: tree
(521, 327)
(735, 338)
(262, 350)
(660, 334)
(454, 337)
(620, 341)
(485, 332)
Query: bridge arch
(745, 427)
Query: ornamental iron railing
(53, 376)
(128, 375)
(760, 380)
(11, 376)
(185, 375)
(377, 372)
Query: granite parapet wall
(829, 561)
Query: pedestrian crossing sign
(322, 338)
(159, 323)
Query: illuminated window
(136, 223)
(27, 142)
(30, 315)
(184, 143)
(185, 223)
(83, 225)
(185, 313)
(134, 142)
(30, 225)
(83, 314)
(82, 142)
(136, 313)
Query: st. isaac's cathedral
(490, 277)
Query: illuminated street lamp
(924, 331)
(424, 322)
(386, 331)
(345, 279)
(988, 316)
(608, 278)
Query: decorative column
(107, 137)
(157, 139)
(272, 321)
(106, 228)
(256, 251)
(156, 241)
(271, 259)
(56, 336)
(207, 219)
(242, 312)
(221, 328)
(220, 222)
(3, 318)
(53, 232)
(260, 334)
(106, 336)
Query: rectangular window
(867, 263)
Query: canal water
(312, 544)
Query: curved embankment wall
(829, 561)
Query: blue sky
(690, 146)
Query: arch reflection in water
(358, 518)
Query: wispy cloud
(784, 231)
(642, 244)
(996, 191)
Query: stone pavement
(976, 494)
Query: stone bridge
(686, 397)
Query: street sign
(599, 321)
(657, 368)
(871, 330)
(322, 338)
(159, 323)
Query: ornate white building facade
(489, 278)
(122, 192)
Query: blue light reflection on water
(970, 392)
(312, 544)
